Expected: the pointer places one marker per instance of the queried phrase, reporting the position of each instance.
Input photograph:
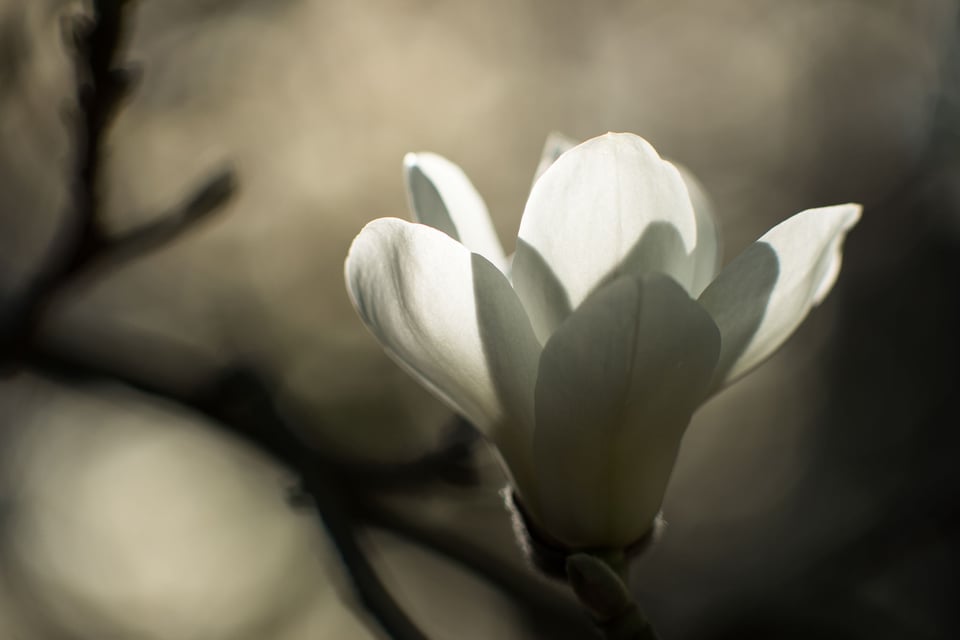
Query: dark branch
(546, 606)
(101, 89)
(208, 199)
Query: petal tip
(375, 228)
(424, 161)
(854, 211)
(410, 160)
(847, 215)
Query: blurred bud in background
(129, 517)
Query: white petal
(451, 319)
(555, 146)
(442, 196)
(606, 207)
(707, 254)
(766, 292)
(618, 383)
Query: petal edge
(763, 295)
(441, 195)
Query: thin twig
(331, 507)
(540, 601)
(603, 593)
(240, 402)
(207, 199)
(82, 243)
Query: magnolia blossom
(584, 358)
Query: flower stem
(604, 594)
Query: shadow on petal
(512, 353)
(738, 306)
(427, 204)
(658, 246)
(659, 250)
(547, 302)
(743, 306)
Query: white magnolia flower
(584, 360)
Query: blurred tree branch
(94, 42)
(344, 496)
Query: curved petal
(555, 146)
(441, 195)
(606, 207)
(766, 292)
(451, 319)
(708, 252)
(617, 385)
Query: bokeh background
(819, 497)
